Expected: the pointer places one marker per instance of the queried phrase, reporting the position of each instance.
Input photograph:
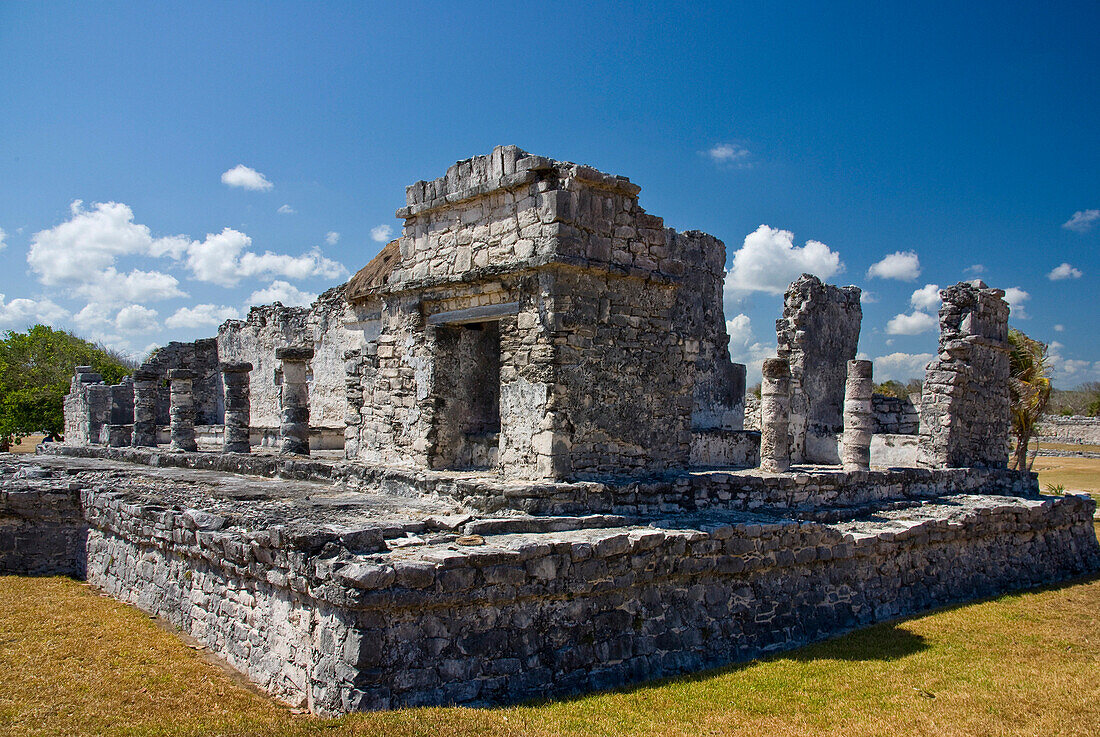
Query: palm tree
(1029, 391)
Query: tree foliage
(892, 388)
(1029, 390)
(35, 370)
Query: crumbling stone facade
(965, 417)
(533, 317)
(818, 334)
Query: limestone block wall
(200, 356)
(964, 415)
(553, 614)
(320, 326)
(818, 334)
(42, 528)
(87, 407)
(895, 415)
(1076, 430)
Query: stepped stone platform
(343, 587)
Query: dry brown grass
(76, 663)
(1075, 474)
(27, 444)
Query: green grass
(74, 662)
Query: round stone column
(775, 416)
(859, 421)
(294, 400)
(238, 419)
(181, 409)
(145, 408)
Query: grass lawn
(1075, 474)
(74, 662)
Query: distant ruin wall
(895, 415)
(200, 356)
(1076, 430)
(320, 326)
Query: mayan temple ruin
(511, 457)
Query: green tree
(1029, 390)
(35, 370)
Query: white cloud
(3, 235)
(901, 265)
(912, 324)
(975, 269)
(926, 298)
(282, 292)
(901, 366)
(222, 259)
(110, 287)
(381, 233)
(1016, 298)
(286, 210)
(744, 348)
(22, 313)
(246, 177)
(1065, 271)
(1082, 221)
(200, 315)
(769, 261)
(1071, 371)
(83, 248)
(332, 237)
(730, 154)
(867, 298)
(136, 319)
(1059, 328)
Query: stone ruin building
(509, 459)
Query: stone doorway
(467, 388)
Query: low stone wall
(895, 451)
(42, 528)
(1077, 430)
(725, 448)
(537, 615)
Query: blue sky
(161, 167)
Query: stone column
(145, 407)
(775, 416)
(294, 399)
(859, 420)
(181, 409)
(238, 419)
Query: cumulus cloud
(901, 366)
(246, 178)
(729, 154)
(83, 249)
(1071, 371)
(332, 237)
(901, 265)
(744, 348)
(1016, 298)
(769, 261)
(22, 313)
(200, 315)
(1082, 221)
(867, 298)
(975, 269)
(926, 298)
(381, 233)
(914, 323)
(136, 319)
(222, 259)
(136, 286)
(1059, 328)
(1065, 271)
(283, 292)
(286, 210)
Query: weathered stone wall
(1076, 430)
(964, 411)
(322, 326)
(818, 334)
(200, 356)
(551, 614)
(87, 407)
(895, 415)
(42, 528)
